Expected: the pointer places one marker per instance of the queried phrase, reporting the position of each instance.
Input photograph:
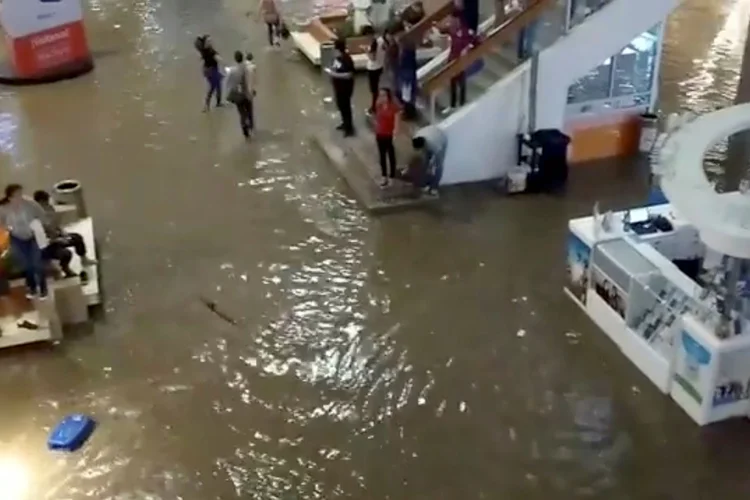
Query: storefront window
(581, 9)
(629, 74)
(634, 65)
(595, 85)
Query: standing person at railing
(375, 62)
(471, 14)
(407, 77)
(461, 41)
(342, 78)
(389, 78)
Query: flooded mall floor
(426, 355)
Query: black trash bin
(546, 154)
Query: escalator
(482, 134)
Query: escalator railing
(510, 27)
(416, 33)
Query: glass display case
(657, 306)
(614, 265)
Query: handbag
(284, 31)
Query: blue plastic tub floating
(71, 433)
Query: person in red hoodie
(386, 126)
(462, 39)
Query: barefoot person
(386, 126)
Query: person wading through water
(342, 78)
(240, 92)
(270, 15)
(210, 70)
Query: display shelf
(652, 363)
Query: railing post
(534, 78)
(433, 105)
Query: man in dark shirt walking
(342, 78)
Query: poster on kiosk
(44, 36)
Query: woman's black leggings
(373, 77)
(272, 32)
(387, 152)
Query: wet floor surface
(429, 355)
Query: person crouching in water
(211, 70)
(59, 240)
(240, 91)
(426, 169)
(386, 126)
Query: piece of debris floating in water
(71, 433)
(211, 305)
(521, 333)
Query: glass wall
(622, 81)
(581, 9)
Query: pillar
(45, 37)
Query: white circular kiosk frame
(723, 220)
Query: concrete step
(356, 160)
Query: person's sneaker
(69, 274)
(385, 183)
(340, 127)
(84, 277)
(28, 325)
(31, 295)
(87, 261)
(350, 133)
(43, 296)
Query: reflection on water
(424, 355)
(715, 60)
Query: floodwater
(428, 355)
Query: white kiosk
(670, 284)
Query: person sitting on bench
(59, 240)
